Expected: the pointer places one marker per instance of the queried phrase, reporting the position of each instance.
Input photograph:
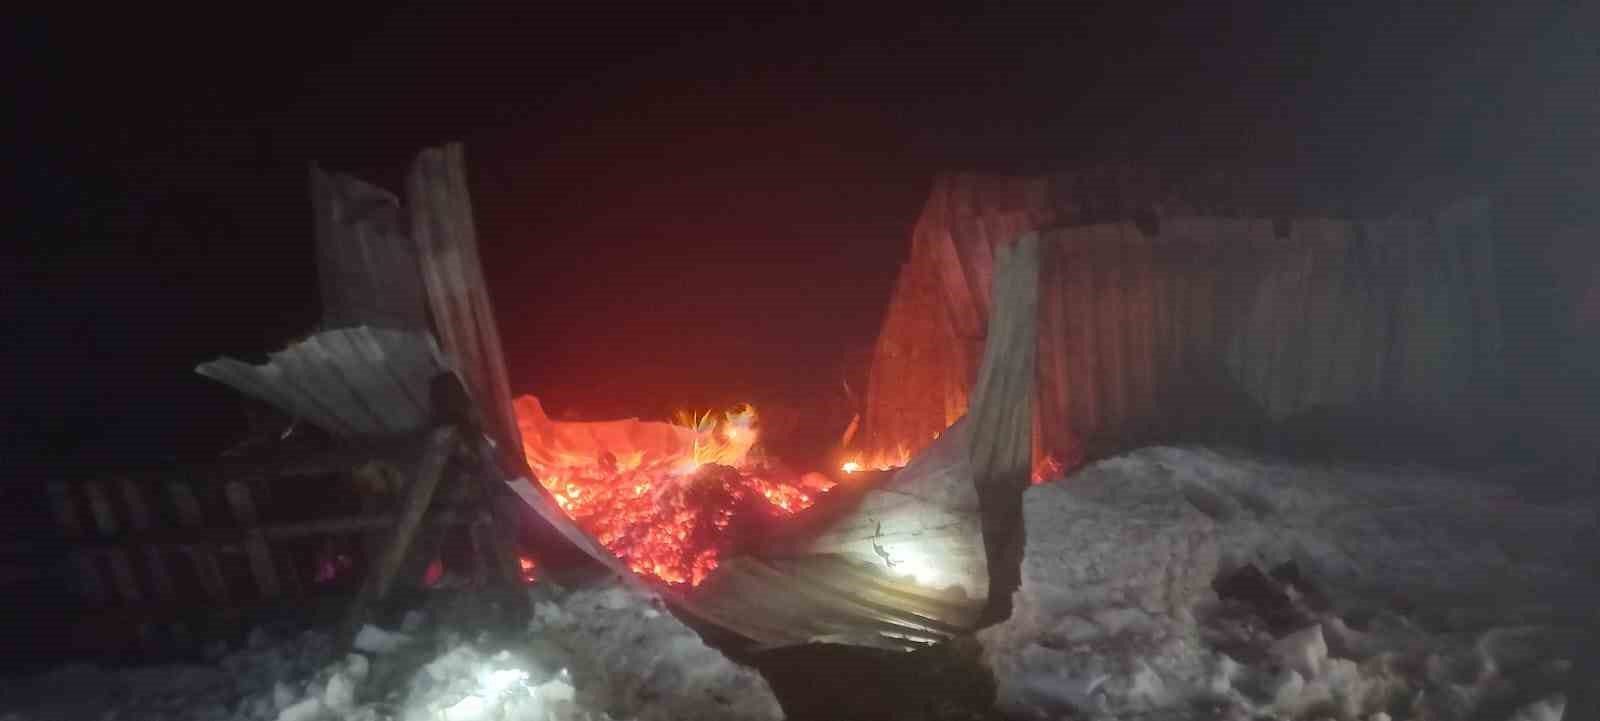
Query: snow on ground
(590, 654)
(1393, 594)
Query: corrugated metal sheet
(352, 382)
(826, 599)
(366, 263)
(901, 567)
(1152, 326)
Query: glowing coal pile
(667, 498)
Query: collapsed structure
(1045, 319)
(405, 307)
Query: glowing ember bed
(667, 498)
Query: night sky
(678, 203)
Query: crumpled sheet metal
(359, 382)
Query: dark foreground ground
(821, 682)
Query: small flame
(878, 460)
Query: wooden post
(436, 452)
(203, 554)
(255, 544)
(1002, 418)
(105, 519)
(139, 518)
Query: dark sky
(678, 202)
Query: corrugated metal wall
(1185, 318)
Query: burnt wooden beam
(437, 450)
(1002, 417)
(256, 547)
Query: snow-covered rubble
(1395, 593)
(645, 664)
(590, 654)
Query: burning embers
(666, 498)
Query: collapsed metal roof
(391, 294)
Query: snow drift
(1407, 593)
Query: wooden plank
(139, 518)
(479, 533)
(504, 562)
(100, 508)
(118, 558)
(437, 449)
(203, 555)
(1002, 417)
(255, 544)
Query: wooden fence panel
(119, 560)
(139, 518)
